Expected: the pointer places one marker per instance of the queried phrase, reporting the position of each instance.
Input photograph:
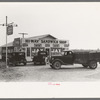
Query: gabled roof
(8, 44)
(34, 37)
(42, 37)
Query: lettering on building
(49, 41)
(62, 41)
(45, 41)
(66, 45)
(37, 45)
(47, 45)
(56, 45)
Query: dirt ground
(31, 73)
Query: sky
(77, 22)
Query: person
(47, 58)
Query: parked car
(16, 58)
(40, 58)
(69, 58)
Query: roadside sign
(9, 30)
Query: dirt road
(46, 74)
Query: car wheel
(93, 64)
(57, 65)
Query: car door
(68, 57)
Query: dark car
(69, 58)
(16, 58)
(40, 58)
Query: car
(16, 58)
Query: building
(34, 44)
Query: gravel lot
(46, 74)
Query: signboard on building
(62, 41)
(55, 45)
(24, 44)
(47, 45)
(16, 42)
(38, 45)
(46, 41)
(66, 45)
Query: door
(68, 57)
(48, 51)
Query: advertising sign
(47, 45)
(24, 44)
(37, 45)
(66, 45)
(16, 42)
(9, 30)
(55, 45)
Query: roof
(34, 37)
(42, 37)
(8, 44)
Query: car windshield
(21, 53)
(18, 54)
(62, 53)
(66, 53)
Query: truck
(87, 59)
(40, 58)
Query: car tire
(57, 65)
(93, 65)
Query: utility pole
(23, 38)
(6, 43)
(23, 34)
(10, 31)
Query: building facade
(32, 45)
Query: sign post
(9, 31)
(6, 43)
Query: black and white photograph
(50, 43)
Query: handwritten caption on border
(50, 83)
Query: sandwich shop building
(34, 44)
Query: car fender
(58, 60)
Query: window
(65, 53)
(32, 41)
(28, 52)
(70, 53)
